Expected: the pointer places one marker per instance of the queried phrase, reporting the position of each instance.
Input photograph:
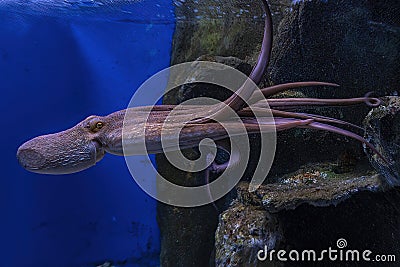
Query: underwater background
(60, 62)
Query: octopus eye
(95, 124)
(99, 125)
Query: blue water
(59, 63)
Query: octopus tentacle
(275, 89)
(247, 112)
(372, 101)
(333, 129)
(295, 103)
(315, 117)
(239, 98)
(282, 123)
(266, 125)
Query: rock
(345, 42)
(383, 131)
(187, 235)
(194, 90)
(242, 231)
(313, 184)
(207, 28)
(311, 209)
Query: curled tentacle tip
(372, 101)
